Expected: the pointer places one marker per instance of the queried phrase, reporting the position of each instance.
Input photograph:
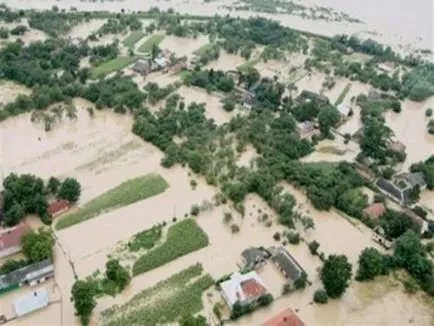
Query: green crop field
(182, 295)
(182, 238)
(149, 43)
(111, 66)
(344, 93)
(145, 239)
(126, 193)
(133, 38)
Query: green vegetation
(54, 23)
(151, 42)
(246, 66)
(111, 66)
(336, 275)
(204, 48)
(126, 193)
(182, 238)
(133, 38)
(210, 80)
(239, 310)
(70, 189)
(83, 294)
(183, 292)
(320, 296)
(145, 239)
(371, 264)
(427, 169)
(38, 245)
(428, 112)
(343, 94)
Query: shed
(10, 239)
(287, 265)
(375, 210)
(58, 207)
(344, 110)
(142, 67)
(31, 302)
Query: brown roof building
(375, 210)
(285, 318)
(10, 239)
(252, 289)
(58, 207)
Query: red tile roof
(58, 207)
(12, 237)
(375, 210)
(253, 289)
(285, 318)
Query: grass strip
(111, 66)
(126, 193)
(182, 238)
(133, 38)
(149, 43)
(145, 239)
(344, 93)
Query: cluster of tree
(37, 246)
(268, 94)
(418, 84)
(156, 93)
(210, 80)
(336, 275)
(120, 24)
(27, 194)
(9, 16)
(209, 54)
(427, 169)
(102, 53)
(19, 30)
(53, 22)
(240, 309)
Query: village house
(286, 264)
(308, 96)
(31, 302)
(243, 288)
(142, 67)
(412, 179)
(305, 127)
(374, 211)
(176, 68)
(58, 207)
(254, 257)
(285, 318)
(420, 225)
(344, 110)
(400, 195)
(10, 239)
(28, 275)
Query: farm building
(285, 318)
(287, 265)
(243, 288)
(141, 67)
(31, 302)
(401, 195)
(254, 257)
(10, 239)
(58, 207)
(28, 275)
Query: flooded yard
(9, 91)
(226, 62)
(333, 151)
(183, 46)
(86, 28)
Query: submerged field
(127, 193)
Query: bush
(195, 210)
(227, 218)
(294, 238)
(320, 296)
(428, 112)
(265, 300)
(276, 236)
(286, 289)
(235, 228)
(313, 247)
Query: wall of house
(10, 251)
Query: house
(401, 195)
(308, 96)
(305, 127)
(374, 211)
(287, 265)
(159, 63)
(419, 223)
(412, 179)
(58, 208)
(249, 99)
(10, 239)
(142, 67)
(344, 110)
(243, 288)
(285, 318)
(254, 257)
(31, 302)
(386, 67)
(28, 275)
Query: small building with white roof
(31, 302)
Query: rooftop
(414, 179)
(305, 94)
(402, 195)
(27, 273)
(252, 256)
(343, 109)
(141, 67)
(375, 210)
(30, 302)
(57, 207)
(292, 269)
(285, 318)
(12, 237)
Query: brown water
(10, 90)
(183, 46)
(85, 29)
(226, 62)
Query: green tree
(83, 298)
(301, 282)
(371, 264)
(320, 296)
(190, 320)
(336, 275)
(155, 51)
(70, 189)
(407, 247)
(53, 185)
(328, 117)
(38, 245)
(118, 274)
(313, 247)
(14, 214)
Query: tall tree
(371, 264)
(336, 275)
(83, 298)
(70, 189)
(38, 245)
(328, 117)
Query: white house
(243, 288)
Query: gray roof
(28, 273)
(402, 195)
(414, 179)
(252, 256)
(292, 269)
(142, 67)
(30, 302)
(305, 94)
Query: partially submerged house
(142, 67)
(28, 275)
(305, 127)
(286, 264)
(58, 207)
(374, 211)
(420, 225)
(344, 110)
(308, 96)
(10, 239)
(254, 257)
(285, 318)
(243, 288)
(412, 179)
(400, 195)
(31, 302)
